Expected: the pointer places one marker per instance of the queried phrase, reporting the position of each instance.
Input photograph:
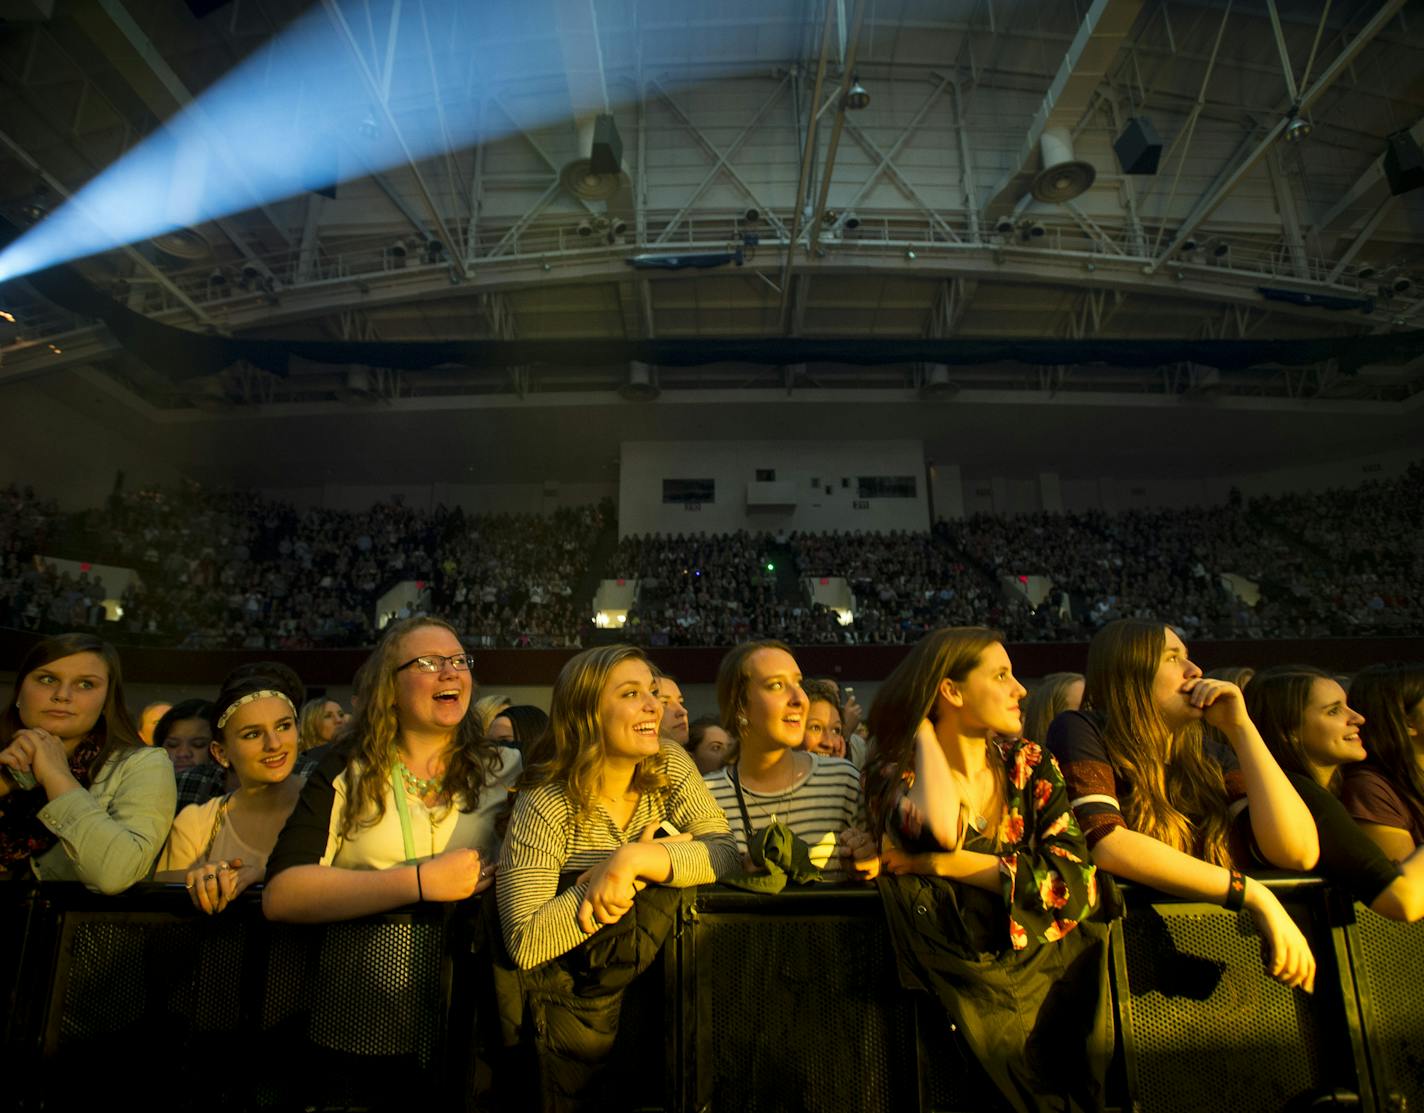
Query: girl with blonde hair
(406, 810)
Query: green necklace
(415, 785)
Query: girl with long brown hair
(1315, 734)
(1385, 792)
(404, 809)
(71, 762)
(1157, 808)
(1006, 882)
(588, 811)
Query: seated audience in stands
(81, 798)
(319, 723)
(1054, 694)
(406, 810)
(184, 734)
(1303, 716)
(773, 783)
(518, 727)
(674, 724)
(1157, 808)
(956, 794)
(1385, 792)
(824, 734)
(711, 747)
(220, 848)
(590, 807)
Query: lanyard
(403, 811)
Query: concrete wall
(824, 475)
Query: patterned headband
(265, 693)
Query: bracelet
(420, 890)
(1235, 892)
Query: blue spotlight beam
(285, 114)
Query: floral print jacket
(1049, 882)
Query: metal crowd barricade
(775, 1003)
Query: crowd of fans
(222, 569)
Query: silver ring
(209, 876)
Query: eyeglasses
(460, 662)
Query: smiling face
(987, 699)
(674, 723)
(1173, 671)
(1329, 731)
(187, 742)
(629, 713)
(431, 702)
(65, 697)
(259, 742)
(775, 705)
(823, 729)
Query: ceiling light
(856, 97)
(1298, 128)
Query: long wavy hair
(908, 696)
(1046, 702)
(1386, 695)
(570, 752)
(733, 678)
(1178, 793)
(370, 740)
(1277, 701)
(114, 730)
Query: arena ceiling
(911, 217)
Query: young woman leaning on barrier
(1157, 808)
(583, 838)
(1385, 792)
(1314, 733)
(81, 798)
(772, 783)
(219, 848)
(989, 879)
(404, 809)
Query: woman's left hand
(214, 885)
(861, 853)
(612, 885)
(41, 754)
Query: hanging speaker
(1403, 163)
(1139, 147)
(607, 154)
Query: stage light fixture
(1298, 128)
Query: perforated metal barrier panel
(1208, 1028)
(758, 1003)
(1388, 959)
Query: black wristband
(1235, 892)
(420, 889)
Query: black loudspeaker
(1204, 1027)
(607, 154)
(1139, 147)
(1403, 163)
(1385, 956)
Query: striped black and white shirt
(545, 839)
(817, 809)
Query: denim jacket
(110, 835)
